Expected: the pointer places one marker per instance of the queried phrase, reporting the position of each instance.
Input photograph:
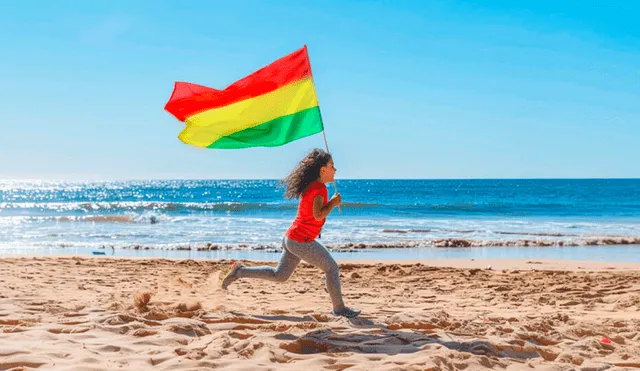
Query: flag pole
(324, 135)
(327, 145)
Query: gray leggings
(292, 252)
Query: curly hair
(307, 172)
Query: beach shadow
(390, 342)
(485, 348)
(377, 338)
(358, 322)
(279, 317)
(327, 341)
(365, 323)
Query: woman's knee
(282, 275)
(332, 269)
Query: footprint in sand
(143, 332)
(19, 365)
(13, 322)
(70, 314)
(68, 330)
(13, 330)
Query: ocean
(563, 218)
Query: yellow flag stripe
(206, 127)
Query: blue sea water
(238, 215)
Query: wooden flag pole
(323, 133)
(334, 181)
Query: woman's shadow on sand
(378, 338)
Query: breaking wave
(429, 243)
(159, 206)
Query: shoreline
(436, 243)
(596, 254)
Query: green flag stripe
(276, 132)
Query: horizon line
(278, 179)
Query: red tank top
(305, 228)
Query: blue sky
(407, 90)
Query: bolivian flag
(271, 107)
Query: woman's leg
(317, 255)
(284, 270)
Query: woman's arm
(321, 211)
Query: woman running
(306, 182)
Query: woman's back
(305, 227)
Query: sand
(104, 313)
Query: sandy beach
(73, 313)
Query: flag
(271, 107)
